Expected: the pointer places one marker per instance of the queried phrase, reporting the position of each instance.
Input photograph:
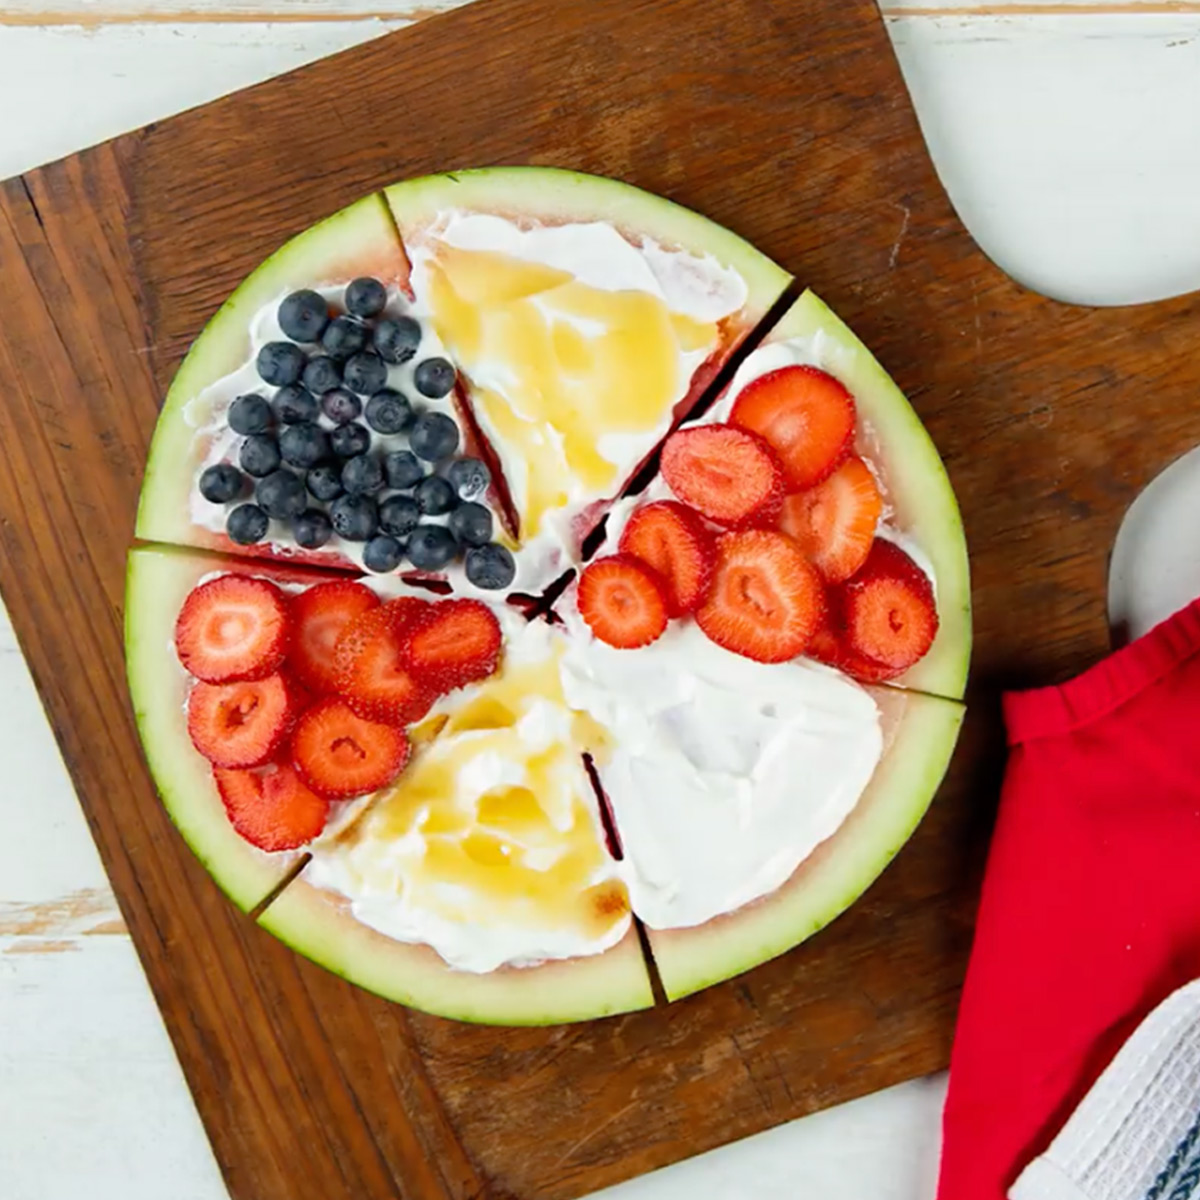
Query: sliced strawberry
(242, 724)
(272, 807)
(805, 415)
(455, 642)
(888, 609)
(830, 647)
(233, 627)
(319, 616)
(726, 474)
(622, 602)
(339, 754)
(767, 599)
(673, 541)
(835, 521)
(370, 671)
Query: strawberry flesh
(834, 522)
(338, 754)
(242, 724)
(453, 643)
(319, 616)
(728, 475)
(889, 610)
(233, 627)
(622, 601)
(767, 599)
(272, 807)
(370, 672)
(805, 415)
(675, 543)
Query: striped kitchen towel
(1136, 1135)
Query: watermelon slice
(511, 264)
(920, 733)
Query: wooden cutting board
(787, 121)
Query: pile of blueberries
(325, 478)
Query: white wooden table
(1067, 134)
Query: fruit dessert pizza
(401, 709)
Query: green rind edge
(317, 925)
(576, 196)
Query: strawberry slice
(233, 627)
(622, 601)
(339, 754)
(319, 616)
(889, 610)
(676, 544)
(805, 415)
(834, 522)
(242, 724)
(272, 808)
(767, 599)
(455, 642)
(829, 646)
(369, 668)
(730, 476)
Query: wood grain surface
(789, 123)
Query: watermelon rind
(319, 925)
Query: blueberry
(362, 475)
(365, 374)
(399, 515)
(354, 517)
(281, 495)
(382, 554)
(303, 315)
(403, 469)
(280, 363)
(259, 455)
(471, 524)
(343, 337)
(430, 547)
(434, 496)
(246, 524)
(303, 445)
(349, 441)
(388, 411)
(434, 436)
(312, 529)
(469, 477)
(396, 341)
(294, 404)
(366, 297)
(491, 567)
(325, 482)
(322, 374)
(221, 483)
(249, 414)
(434, 378)
(341, 406)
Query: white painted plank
(1068, 145)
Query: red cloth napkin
(1090, 913)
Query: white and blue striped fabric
(1136, 1135)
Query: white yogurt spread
(724, 774)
